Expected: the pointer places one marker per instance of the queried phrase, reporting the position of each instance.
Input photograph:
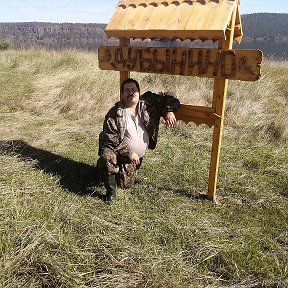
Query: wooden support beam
(218, 103)
(124, 42)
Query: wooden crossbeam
(197, 114)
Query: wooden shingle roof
(170, 19)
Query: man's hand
(134, 158)
(170, 119)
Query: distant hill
(53, 36)
(265, 26)
(268, 27)
(267, 32)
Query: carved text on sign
(202, 62)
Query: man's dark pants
(111, 163)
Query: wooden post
(218, 103)
(124, 42)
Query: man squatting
(131, 126)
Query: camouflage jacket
(151, 107)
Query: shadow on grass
(76, 177)
(186, 193)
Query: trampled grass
(57, 232)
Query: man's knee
(107, 162)
(127, 175)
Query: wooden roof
(170, 19)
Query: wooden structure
(216, 20)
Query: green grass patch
(55, 231)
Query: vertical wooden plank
(218, 103)
(124, 42)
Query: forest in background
(265, 31)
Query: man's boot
(110, 185)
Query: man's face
(130, 94)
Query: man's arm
(170, 105)
(165, 103)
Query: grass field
(55, 231)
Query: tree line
(59, 36)
(269, 26)
(54, 36)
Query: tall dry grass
(55, 232)
(71, 84)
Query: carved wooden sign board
(216, 20)
(213, 63)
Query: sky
(97, 11)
